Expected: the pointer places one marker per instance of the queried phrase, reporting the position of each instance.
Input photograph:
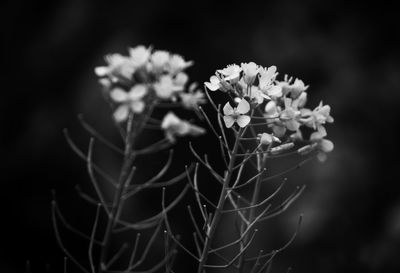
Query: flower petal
(229, 121)
(243, 120)
(137, 106)
(137, 92)
(121, 113)
(326, 145)
(118, 95)
(228, 110)
(243, 107)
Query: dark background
(348, 52)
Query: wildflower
(231, 73)
(159, 59)
(266, 139)
(166, 87)
(129, 101)
(293, 88)
(217, 83)
(192, 99)
(323, 145)
(290, 114)
(250, 71)
(271, 110)
(181, 79)
(266, 80)
(272, 113)
(173, 126)
(267, 76)
(119, 67)
(176, 64)
(139, 55)
(320, 115)
(256, 95)
(232, 115)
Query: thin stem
(217, 214)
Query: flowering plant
(267, 122)
(262, 118)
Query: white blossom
(232, 115)
(173, 126)
(166, 87)
(266, 139)
(128, 101)
(176, 64)
(250, 71)
(231, 73)
(139, 55)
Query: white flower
(232, 115)
(166, 87)
(159, 59)
(267, 77)
(289, 116)
(139, 55)
(266, 139)
(181, 79)
(118, 67)
(272, 92)
(272, 110)
(231, 73)
(216, 83)
(192, 99)
(176, 64)
(256, 95)
(294, 89)
(320, 115)
(324, 145)
(250, 71)
(129, 101)
(174, 126)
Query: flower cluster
(147, 77)
(280, 105)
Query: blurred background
(348, 52)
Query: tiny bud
(282, 148)
(307, 149)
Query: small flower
(192, 99)
(231, 73)
(271, 110)
(320, 115)
(181, 79)
(119, 67)
(139, 55)
(293, 88)
(216, 83)
(166, 87)
(159, 59)
(250, 71)
(129, 101)
(232, 115)
(266, 139)
(289, 116)
(256, 95)
(322, 144)
(267, 77)
(176, 64)
(174, 126)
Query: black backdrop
(347, 52)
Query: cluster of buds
(280, 105)
(148, 77)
